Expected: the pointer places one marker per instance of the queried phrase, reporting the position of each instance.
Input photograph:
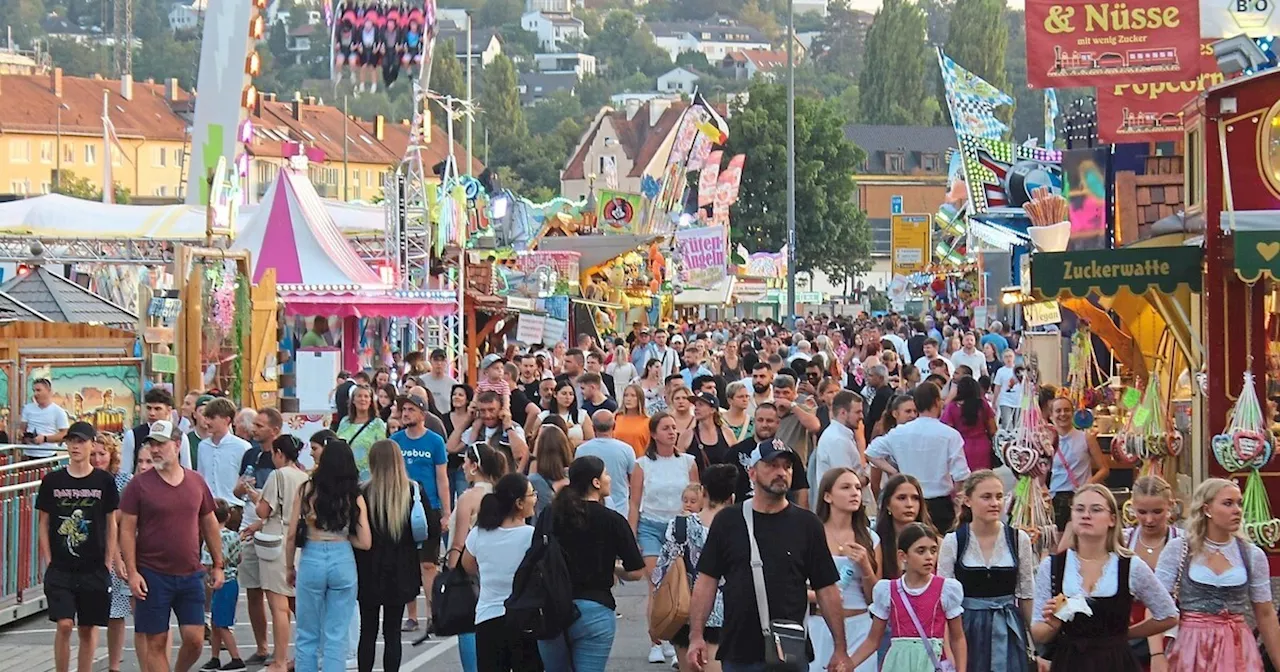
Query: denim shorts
(183, 595)
(223, 604)
(651, 535)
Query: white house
(485, 46)
(186, 16)
(452, 18)
(551, 6)
(714, 40)
(622, 100)
(679, 80)
(582, 65)
(632, 142)
(553, 29)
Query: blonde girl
(1153, 505)
(632, 420)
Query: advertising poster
(1000, 176)
(1152, 111)
(1084, 43)
(1086, 176)
(104, 393)
(617, 212)
(6, 390)
(727, 193)
(909, 243)
(703, 256)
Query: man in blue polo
(425, 459)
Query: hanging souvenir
(1247, 444)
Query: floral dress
(671, 551)
(121, 598)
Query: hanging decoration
(1026, 449)
(1083, 369)
(1247, 444)
(242, 325)
(1149, 436)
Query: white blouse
(1259, 573)
(1025, 588)
(952, 598)
(1142, 585)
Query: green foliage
(973, 45)
(695, 60)
(832, 234)
(80, 187)
(937, 14)
(892, 84)
(500, 99)
(79, 60)
(560, 106)
(23, 18)
(624, 47)
(447, 77)
(165, 57)
(839, 49)
(498, 13)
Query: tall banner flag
(1050, 115)
(703, 255)
(972, 101)
(1152, 111)
(727, 190)
(708, 179)
(1087, 43)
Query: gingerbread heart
(1045, 438)
(1263, 457)
(1254, 532)
(1127, 514)
(1120, 450)
(1269, 532)
(1224, 451)
(1248, 444)
(1021, 458)
(1175, 444)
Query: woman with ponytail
(1153, 505)
(995, 564)
(494, 549)
(594, 538)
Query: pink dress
(977, 443)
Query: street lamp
(57, 182)
(791, 160)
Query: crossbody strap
(757, 574)
(1075, 482)
(906, 604)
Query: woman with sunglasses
(482, 466)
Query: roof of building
(480, 40)
(560, 19)
(672, 71)
(61, 300)
(639, 140)
(766, 60)
(912, 141)
(395, 136)
(13, 310)
(715, 32)
(28, 105)
(539, 84)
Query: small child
(224, 598)
(691, 498)
(920, 595)
(494, 378)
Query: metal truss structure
(134, 252)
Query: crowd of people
(830, 492)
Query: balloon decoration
(1026, 449)
(369, 37)
(1248, 444)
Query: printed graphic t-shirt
(78, 510)
(421, 457)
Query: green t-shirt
(313, 340)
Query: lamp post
(791, 161)
(57, 182)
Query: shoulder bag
(418, 514)
(453, 607)
(670, 601)
(938, 665)
(270, 547)
(785, 642)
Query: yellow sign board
(910, 238)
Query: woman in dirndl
(1217, 577)
(995, 564)
(1096, 573)
(1153, 506)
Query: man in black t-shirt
(795, 558)
(742, 454)
(78, 517)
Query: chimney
(171, 89)
(656, 109)
(297, 109)
(379, 124)
(126, 86)
(55, 82)
(310, 100)
(633, 108)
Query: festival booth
(620, 281)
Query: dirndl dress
(1097, 643)
(1212, 632)
(993, 627)
(121, 598)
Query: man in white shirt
(221, 452)
(44, 423)
(837, 446)
(930, 354)
(1007, 386)
(619, 459)
(159, 404)
(667, 356)
(969, 355)
(930, 451)
(438, 382)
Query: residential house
(906, 163)
(14, 62)
(553, 29)
(679, 80)
(581, 65)
(452, 18)
(535, 86)
(715, 40)
(818, 7)
(186, 16)
(298, 41)
(552, 6)
(751, 63)
(51, 120)
(621, 100)
(485, 46)
(55, 27)
(628, 143)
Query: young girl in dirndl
(1153, 506)
(1218, 576)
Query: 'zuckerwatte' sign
(704, 256)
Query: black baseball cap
(707, 398)
(771, 449)
(412, 399)
(81, 430)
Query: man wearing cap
(77, 529)
(167, 511)
(438, 382)
(426, 462)
(743, 454)
(642, 349)
(159, 405)
(792, 547)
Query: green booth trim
(1106, 272)
(1257, 254)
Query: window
(44, 187)
(929, 162)
(160, 158)
(20, 187)
(178, 157)
(117, 158)
(368, 178)
(893, 164)
(162, 191)
(46, 151)
(19, 151)
(90, 154)
(68, 153)
(1194, 180)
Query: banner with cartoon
(617, 212)
(703, 256)
(103, 392)
(1000, 176)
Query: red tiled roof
(395, 136)
(640, 142)
(319, 126)
(28, 105)
(766, 60)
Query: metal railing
(21, 573)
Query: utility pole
(791, 160)
(346, 172)
(470, 99)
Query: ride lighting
(1012, 296)
(257, 27)
(1239, 54)
(253, 64)
(250, 97)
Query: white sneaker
(656, 655)
(668, 650)
(353, 664)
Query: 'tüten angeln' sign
(1074, 43)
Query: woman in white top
(1077, 461)
(996, 566)
(853, 546)
(483, 467)
(622, 370)
(1153, 504)
(1098, 568)
(657, 489)
(1218, 577)
(493, 552)
(564, 403)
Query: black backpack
(541, 601)
(453, 605)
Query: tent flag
(707, 179)
(972, 101)
(1050, 114)
(727, 190)
(713, 126)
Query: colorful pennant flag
(972, 101)
(1050, 114)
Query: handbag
(270, 547)
(786, 646)
(939, 665)
(418, 515)
(453, 605)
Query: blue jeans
(590, 638)
(467, 651)
(457, 484)
(326, 598)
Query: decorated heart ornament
(1251, 530)
(1127, 515)
(1269, 532)
(1264, 456)
(1120, 450)
(1021, 458)
(1248, 444)
(1175, 444)
(1045, 438)
(1225, 452)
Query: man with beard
(529, 378)
(740, 455)
(761, 385)
(877, 394)
(795, 559)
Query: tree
(937, 15)
(625, 47)
(446, 72)
(832, 234)
(973, 45)
(75, 186)
(550, 111)
(498, 13)
(23, 18)
(765, 21)
(78, 60)
(695, 60)
(166, 57)
(840, 47)
(892, 84)
(500, 100)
